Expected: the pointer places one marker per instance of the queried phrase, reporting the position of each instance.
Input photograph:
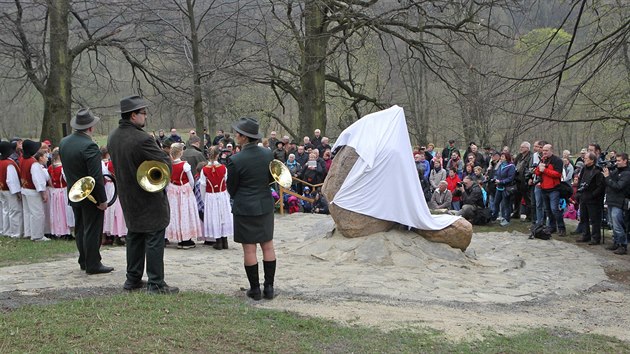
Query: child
(114, 226)
(218, 222)
(185, 223)
(58, 204)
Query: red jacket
(552, 175)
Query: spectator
(437, 175)
(580, 158)
(452, 180)
(479, 159)
(313, 172)
(431, 150)
(441, 197)
(301, 156)
(218, 137)
(457, 163)
(491, 186)
(422, 165)
(307, 143)
(469, 170)
(591, 191)
(323, 146)
(447, 152)
(320, 205)
(567, 170)
(522, 163)
(307, 207)
(471, 198)
(617, 190)
(550, 172)
(193, 155)
(227, 140)
(292, 148)
(478, 175)
(273, 139)
(175, 137)
(279, 153)
(328, 160)
(316, 140)
(503, 178)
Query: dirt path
(504, 282)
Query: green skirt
(253, 229)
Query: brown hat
(247, 127)
(84, 119)
(132, 103)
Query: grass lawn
(23, 251)
(196, 322)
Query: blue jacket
(505, 175)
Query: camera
(611, 165)
(460, 184)
(582, 187)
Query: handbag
(511, 189)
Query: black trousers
(88, 229)
(591, 216)
(149, 246)
(522, 191)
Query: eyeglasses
(143, 113)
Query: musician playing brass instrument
(146, 212)
(81, 157)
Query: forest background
(491, 71)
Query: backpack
(565, 189)
(540, 231)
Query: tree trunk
(194, 45)
(312, 101)
(57, 94)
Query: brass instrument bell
(153, 176)
(81, 189)
(280, 173)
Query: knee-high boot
(254, 282)
(270, 273)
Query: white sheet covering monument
(383, 181)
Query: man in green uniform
(146, 214)
(81, 157)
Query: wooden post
(280, 188)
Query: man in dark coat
(253, 207)
(81, 157)
(146, 214)
(193, 154)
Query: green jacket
(248, 181)
(81, 157)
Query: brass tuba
(83, 188)
(153, 176)
(280, 172)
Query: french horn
(82, 189)
(280, 173)
(153, 176)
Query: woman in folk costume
(218, 223)
(10, 196)
(58, 204)
(185, 224)
(114, 226)
(34, 192)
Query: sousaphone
(153, 176)
(280, 173)
(83, 188)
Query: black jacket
(472, 196)
(592, 179)
(129, 146)
(617, 186)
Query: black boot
(270, 274)
(224, 242)
(218, 245)
(613, 247)
(621, 250)
(254, 282)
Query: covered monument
(373, 183)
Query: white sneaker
(41, 239)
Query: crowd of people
(536, 183)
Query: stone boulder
(349, 223)
(458, 235)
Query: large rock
(349, 223)
(352, 224)
(458, 235)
